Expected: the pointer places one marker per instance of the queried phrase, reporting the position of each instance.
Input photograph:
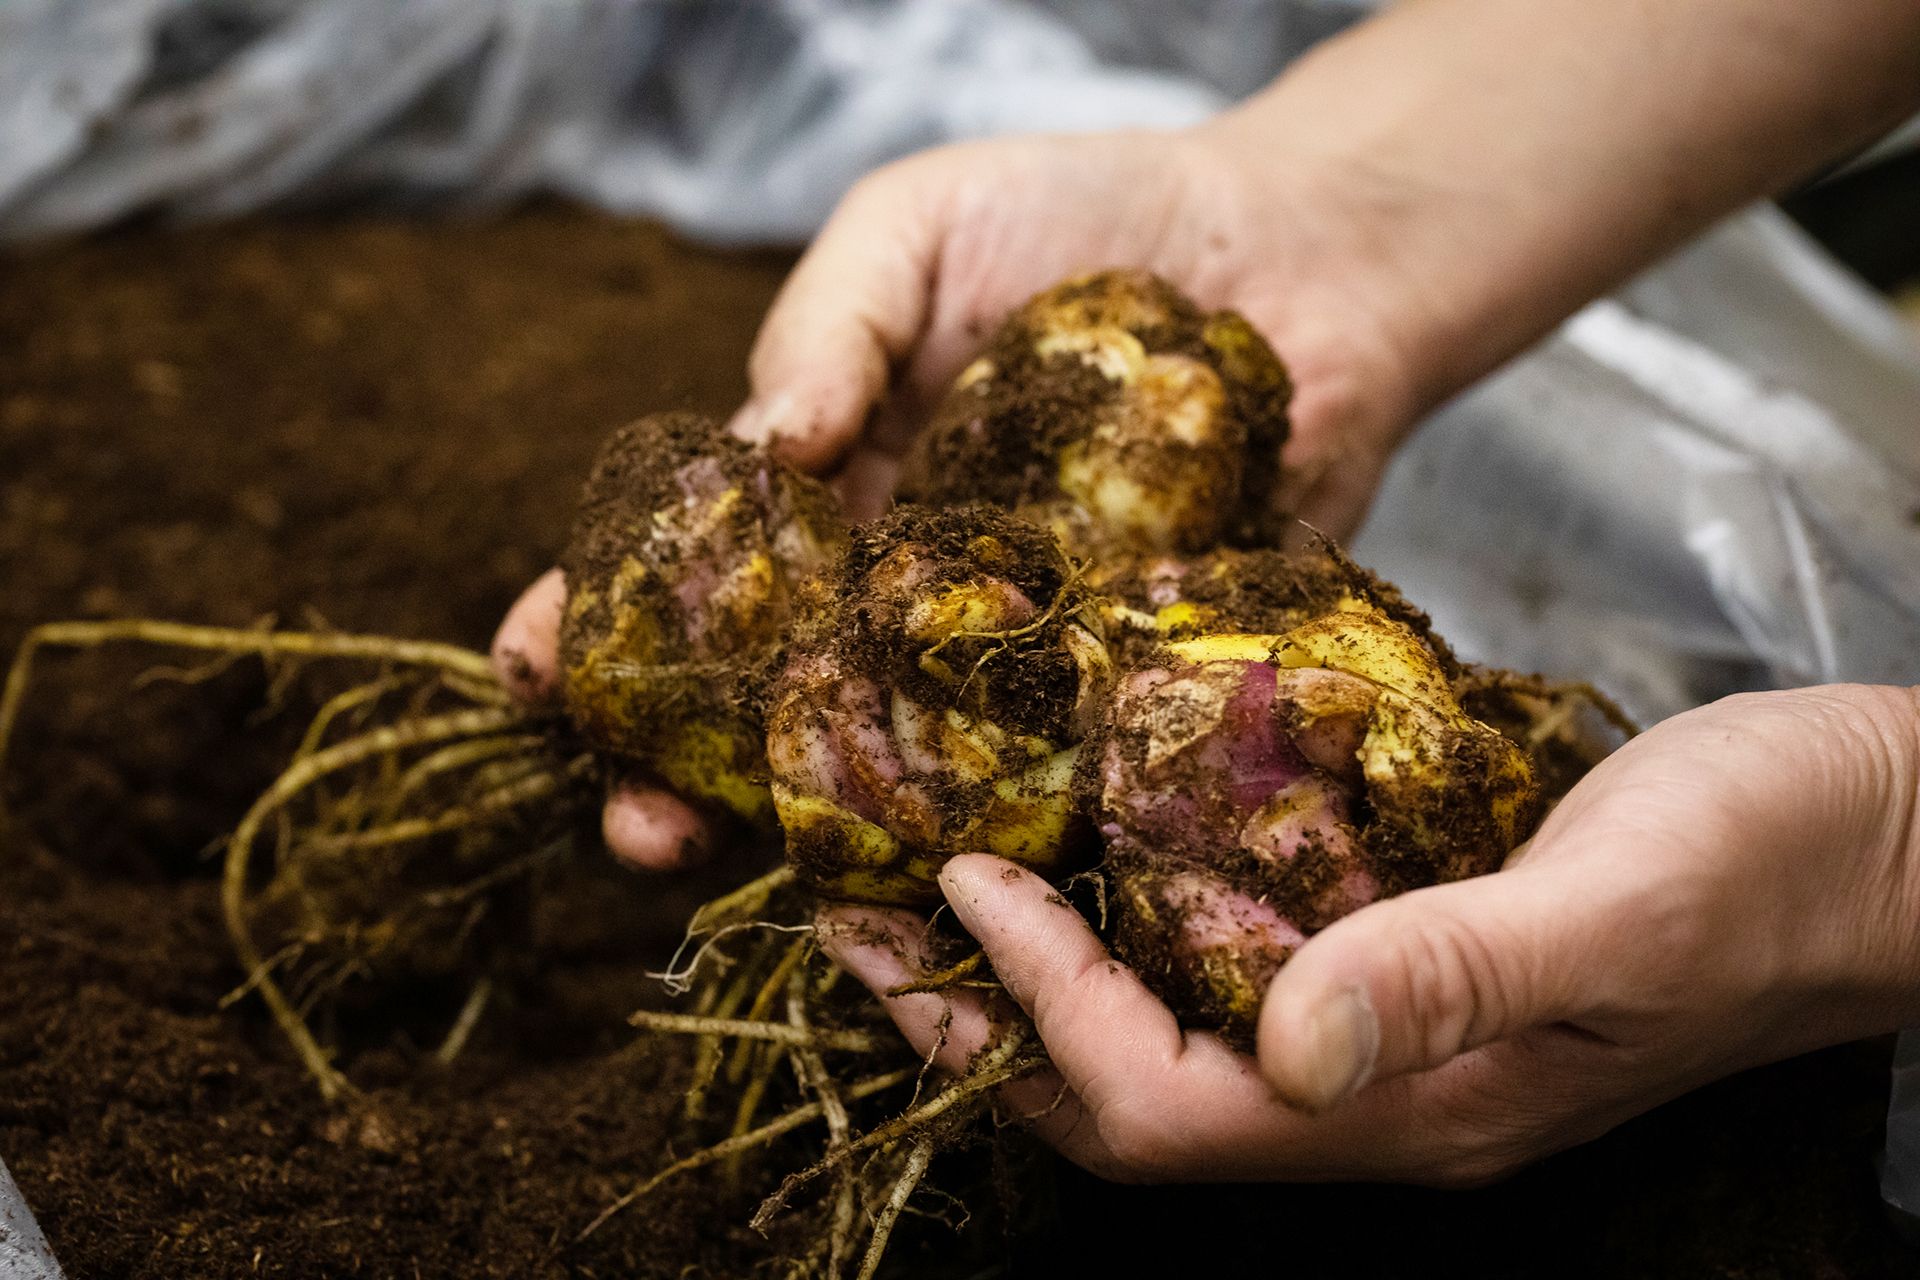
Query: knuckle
(1458, 994)
(1143, 1139)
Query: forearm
(1494, 164)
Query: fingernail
(760, 420)
(1342, 1042)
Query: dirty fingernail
(1341, 1042)
(761, 419)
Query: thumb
(1406, 984)
(853, 307)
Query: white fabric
(24, 1254)
(737, 121)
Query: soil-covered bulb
(686, 561)
(1114, 411)
(936, 692)
(1255, 788)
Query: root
(229, 640)
(940, 981)
(233, 897)
(680, 981)
(812, 1073)
(916, 1168)
(485, 768)
(766, 1061)
(763, 1000)
(874, 1174)
(994, 1068)
(464, 1024)
(765, 1133)
(742, 905)
(340, 704)
(780, 1033)
(706, 1058)
(1609, 709)
(1071, 595)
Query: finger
(886, 949)
(1407, 984)
(1047, 955)
(526, 648)
(654, 830)
(1091, 1010)
(866, 482)
(1154, 1102)
(853, 306)
(1335, 456)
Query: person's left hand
(1735, 886)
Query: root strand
(464, 1024)
(917, 1161)
(765, 1133)
(992, 1069)
(781, 1033)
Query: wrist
(1874, 737)
(1290, 247)
(1495, 164)
(1823, 799)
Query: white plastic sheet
(1704, 484)
(24, 1254)
(737, 121)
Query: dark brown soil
(384, 426)
(388, 424)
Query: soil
(385, 425)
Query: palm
(924, 258)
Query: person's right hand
(1739, 884)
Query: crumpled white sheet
(24, 1254)
(735, 120)
(1704, 484)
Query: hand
(924, 258)
(1737, 885)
